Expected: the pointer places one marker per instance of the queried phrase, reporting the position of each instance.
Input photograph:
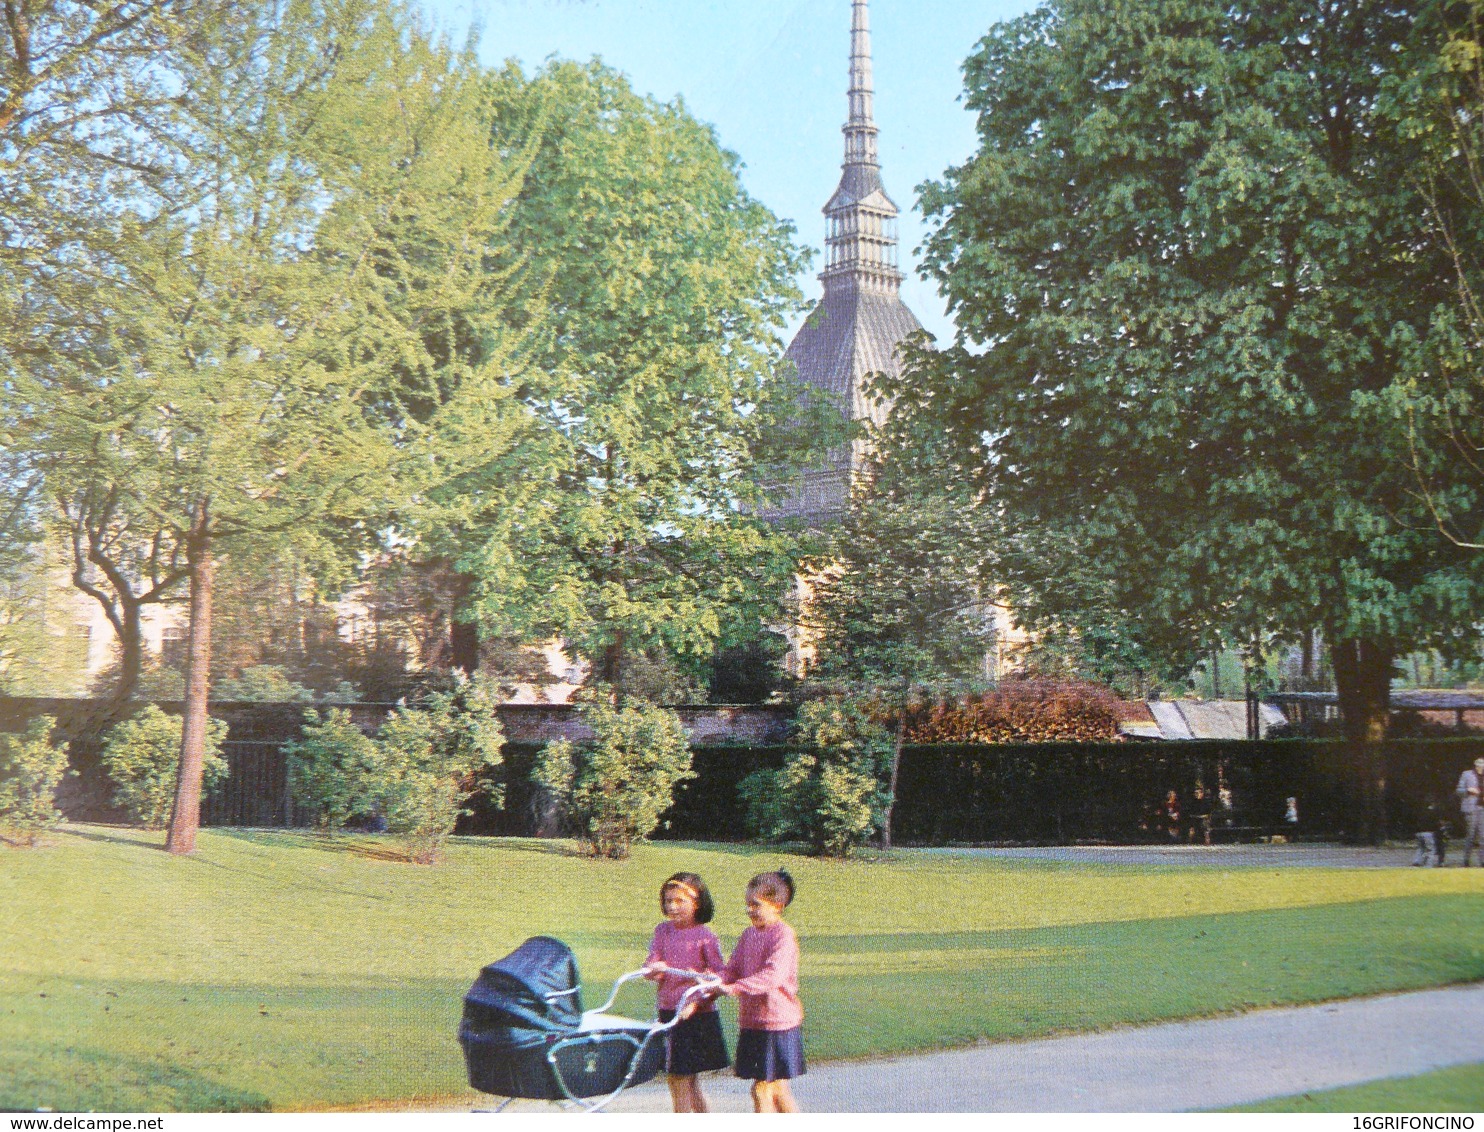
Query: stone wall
(257, 733)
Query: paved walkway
(1280, 856)
(1177, 1066)
(1167, 1068)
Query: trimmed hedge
(707, 807)
(1063, 792)
(1054, 792)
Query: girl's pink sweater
(691, 949)
(763, 973)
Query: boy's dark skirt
(770, 1055)
(696, 1045)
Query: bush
(334, 769)
(831, 791)
(612, 791)
(1022, 711)
(263, 683)
(414, 778)
(142, 756)
(30, 770)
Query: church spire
(861, 237)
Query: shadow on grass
(69, 1079)
(141, 840)
(545, 846)
(361, 1036)
(376, 847)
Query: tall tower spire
(860, 127)
(856, 329)
(861, 236)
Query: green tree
(31, 768)
(89, 116)
(415, 775)
(896, 608)
(86, 112)
(665, 288)
(142, 756)
(613, 790)
(831, 790)
(274, 610)
(274, 344)
(1433, 103)
(1183, 262)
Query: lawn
(280, 970)
(1456, 1089)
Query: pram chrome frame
(593, 1030)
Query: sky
(770, 76)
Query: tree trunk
(185, 818)
(1363, 683)
(896, 762)
(131, 654)
(463, 636)
(610, 667)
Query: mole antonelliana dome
(857, 326)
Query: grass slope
(1459, 1088)
(282, 970)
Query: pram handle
(703, 980)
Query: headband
(685, 888)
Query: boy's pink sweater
(763, 973)
(690, 949)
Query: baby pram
(525, 1034)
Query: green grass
(1457, 1089)
(280, 970)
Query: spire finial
(860, 128)
(861, 242)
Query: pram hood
(524, 998)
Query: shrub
(334, 769)
(1022, 711)
(30, 770)
(831, 791)
(415, 776)
(613, 790)
(142, 756)
(263, 683)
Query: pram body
(525, 1035)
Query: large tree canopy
(1436, 101)
(665, 291)
(257, 343)
(1186, 262)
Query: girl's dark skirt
(696, 1045)
(770, 1055)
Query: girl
(682, 940)
(763, 974)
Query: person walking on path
(763, 975)
(1470, 786)
(682, 940)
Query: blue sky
(770, 76)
